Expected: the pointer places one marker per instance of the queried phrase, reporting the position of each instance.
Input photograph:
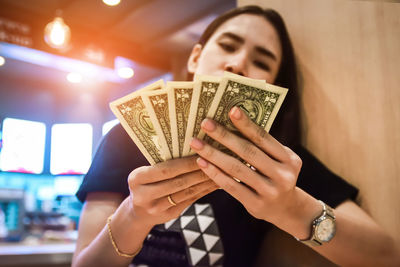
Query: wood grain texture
(349, 57)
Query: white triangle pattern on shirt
(169, 223)
(200, 207)
(210, 240)
(196, 255)
(190, 236)
(213, 257)
(185, 220)
(183, 212)
(204, 222)
(204, 248)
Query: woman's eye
(227, 47)
(262, 65)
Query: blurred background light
(125, 72)
(71, 148)
(46, 193)
(61, 63)
(108, 126)
(74, 77)
(111, 2)
(66, 185)
(124, 67)
(57, 34)
(2, 61)
(23, 146)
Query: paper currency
(204, 91)
(156, 103)
(180, 97)
(260, 101)
(163, 120)
(134, 118)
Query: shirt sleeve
(116, 156)
(321, 183)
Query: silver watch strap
(326, 211)
(311, 242)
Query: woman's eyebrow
(265, 52)
(233, 36)
(259, 49)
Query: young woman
(125, 199)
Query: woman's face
(247, 45)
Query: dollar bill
(156, 103)
(134, 118)
(162, 120)
(179, 100)
(204, 91)
(259, 100)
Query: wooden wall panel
(349, 56)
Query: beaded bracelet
(115, 245)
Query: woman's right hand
(150, 186)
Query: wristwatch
(323, 227)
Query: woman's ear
(194, 58)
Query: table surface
(20, 254)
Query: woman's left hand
(269, 192)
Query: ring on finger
(250, 166)
(171, 201)
(236, 179)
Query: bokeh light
(111, 2)
(74, 77)
(125, 72)
(57, 34)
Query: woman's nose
(237, 64)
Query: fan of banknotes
(163, 118)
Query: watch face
(325, 230)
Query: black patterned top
(232, 236)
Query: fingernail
(202, 163)
(208, 125)
(196, 144)
(236, 113)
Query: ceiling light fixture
(74, 77)
(125, 72)
(111, 2)
(56, 33)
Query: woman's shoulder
(116, 156)
(118, 135)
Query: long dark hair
(286, 127)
